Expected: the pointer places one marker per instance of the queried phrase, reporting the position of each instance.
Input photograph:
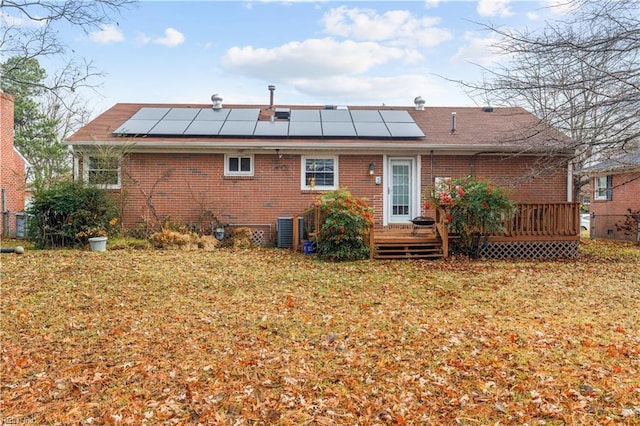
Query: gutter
(385, 146)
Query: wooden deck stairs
(407, 244)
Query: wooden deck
(529, 225)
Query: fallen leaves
(272, 337)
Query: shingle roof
(621, 164)
(504, 129)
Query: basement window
(102, 171)
(238, 165)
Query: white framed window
(103, 170)
(238, 165)
(319, 172)
(603, 188)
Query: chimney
(217, 101)
(453, 122)
(272, 89)
(419, 103)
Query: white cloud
(17, 21)
(396, 27)
(107, 34)
(430, 4)
(313, 58)
(172, 38)
(476, 50)
(395, 90)
(494, 8)
(533, 16)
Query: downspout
(431, 169)
(570, 182)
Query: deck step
(408, 250)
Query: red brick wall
(626, 194)
(184, 186)
(516, 174)
(12, 167)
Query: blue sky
(314, 52)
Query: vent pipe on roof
(217, 101)
(272, 89)
(419, 103)
(487, 108)
(453, 123)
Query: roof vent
(272, 89)
(454, 125)
(419, 103)
(217, 101)
(329, 107)
(487, 108)
(282, 113)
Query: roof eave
(382, 146)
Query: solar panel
(373, 130)
(390, 116)
(271, 128)
(305, 115)
(149, 113)
(238, 128)
(365, 115)
(204, 128)
(338, 128)
(335, 115)
(305, 128)
(405, 130)
(182, 114)
(244, 122)
(170, 127)
(210, 114)
(135, 127)
(238, 114)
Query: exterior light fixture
(278, 153)
(372, 169)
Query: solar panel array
(243, 122)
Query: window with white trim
(103, 170)
(238, 165)
(319, 173)
(603, 188)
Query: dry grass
(271, 337)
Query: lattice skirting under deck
(530, 249)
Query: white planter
(98, 243)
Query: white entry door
(401, 198)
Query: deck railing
(543, 220)
(528, 221)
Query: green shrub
(69, 213)
(345, 230)
(475, 208)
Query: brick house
(252, 164)
(615, 186)
(13, 167)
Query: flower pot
(98, 243)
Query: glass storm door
(400, 190)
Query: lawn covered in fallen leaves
(267, 336)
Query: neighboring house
(252, 164)
(615, 186)
(13, 167)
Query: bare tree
(29, 31)
(48, 109)
(580, 74)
